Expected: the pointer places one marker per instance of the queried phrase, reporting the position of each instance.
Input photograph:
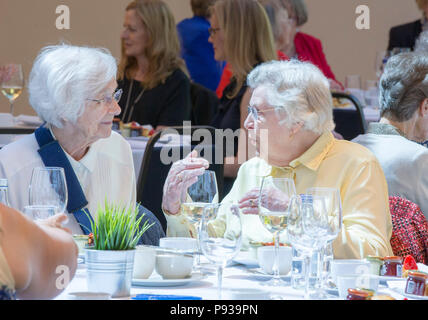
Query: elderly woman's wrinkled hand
(271, 199)
(56, 221)
(182, 174)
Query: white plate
(408, 295)
(261, 273)
(384, 279)
(157, 281)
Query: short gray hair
(64, 76)
(421, 45)
(403, 85)
(298, 89)
(297, 10)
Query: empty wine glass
(196, 197)
(48, 188)
(12, 83)
(217, 245)
(333, 205)
(38, 213)
(274, 197)
(307, 229)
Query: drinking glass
(218, 247)
(13, 82)
(196, 197)
(38, 213)
(333, 205)
(353, 81)
(307, 229)
(48, 188)
(274, 197)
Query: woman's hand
(182, 174)
(55, 221)
(272, 199)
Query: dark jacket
(405, 35)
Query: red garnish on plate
(410, 263)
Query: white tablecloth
(234, 277)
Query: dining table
(241, 277)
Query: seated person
(290, 121)
(153, 76)
(74, 90)
(405, 35)
(30, 254)
(195, 48)
(403, 125)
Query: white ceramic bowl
(354, 281)
(349, 267)
(181, 243)
(173, 266)
(266, 257)
(144, 262)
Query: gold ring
(252, 202)
(179, 178)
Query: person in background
(395, 140)
(291, 103)
(281, 29)
(195, 48)
(242, 36)
(306, 47)
(30, 254)
(405, 35)
(152, 75)
(73, 89)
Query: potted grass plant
(110, 257)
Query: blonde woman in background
(242, 36)
(156, 87)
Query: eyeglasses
(213, 31)
(109, 99)
(255, 113)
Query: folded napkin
(164, 297)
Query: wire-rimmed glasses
(109, 99)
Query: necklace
(133, 104)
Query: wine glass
(273, 212)
(48, 188)
(218, 247)
(333, 205)
(12, 83)
(38, 213)
(307, 229)
(196, 197)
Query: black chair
(153, 171)
(349, 122)
(155, 232)
(204, 104)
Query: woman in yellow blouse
(290, 122)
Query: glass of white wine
(195, 198)
(12, 83)
(274, 197)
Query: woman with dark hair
(195, 48)
(156, 88)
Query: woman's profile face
(97, 119)
(217, 39)
(134, 34)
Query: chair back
(349, 122)
(409, 229)
(154, 172)
(204, 104)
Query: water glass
(220, 248)
(38, 213)
(12, 83)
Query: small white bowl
(174, 266)
(144, 262)
(266, 257)
(348, 267)
(181, 243)
(354, 281)
(89, 296)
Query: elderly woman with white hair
(73, 89)
(292, 103)
(396, 139)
